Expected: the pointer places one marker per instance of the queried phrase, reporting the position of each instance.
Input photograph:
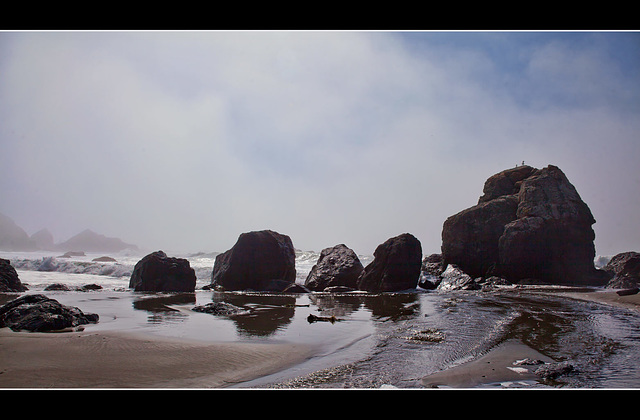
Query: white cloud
(184, 140)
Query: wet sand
(498, 367)
(125, 360)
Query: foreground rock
(260, 261)
(529, 224)
(157, 272)
(38, 313)
(336, 266)
(396, 266)
(455, 279)
(9, 280)
(624, 269)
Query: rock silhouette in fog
(336, 266)
(261, 261)
(157, 272)
(396, 266)
(528, 224)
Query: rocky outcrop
(9, 280)
(396, 266)
(38, 313)
(260, 261)
(455, 279)
(157, 272)
(336, 266)
(624, 269)
(528, 224)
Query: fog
(182, 140)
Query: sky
(183, 140)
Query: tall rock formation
(528, 224)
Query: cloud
(184, 140)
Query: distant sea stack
(13, 237)
(528, 224)
(260, 261)
(89, 241)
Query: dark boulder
(157, 272)
(336, 266)
(260, 261)
(396, 266)
(624, 268)
(431, 271)
(529, 224)
(9, 280)
(38, 313)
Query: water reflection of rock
(338, 305)
(266, 313)
(394, 306)
(159, 306)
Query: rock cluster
(38, 313)
(528, 224)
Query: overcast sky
(181, 141)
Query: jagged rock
(529, 223)
(396, 266)
(431, 271)
(336, 266)
(9, 280)
(261, 261)
(38, 313)
(625, 270)
(554, 370)
(453, 278)
(157, 272)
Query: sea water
(376, 341)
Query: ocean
(389, 340)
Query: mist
(183, 140)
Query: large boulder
(624, 269)
(260, 261)
(157, 272)
(396, 266)
(38, 313)
(336, 266)
(529, 224)
(9, 280)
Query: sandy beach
(123, 360)
(86, 359)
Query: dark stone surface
(38, 313)
(157, 272)
(9, 280)
(336, 266)
(396, 266)
(529, 224)
(260, 261)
